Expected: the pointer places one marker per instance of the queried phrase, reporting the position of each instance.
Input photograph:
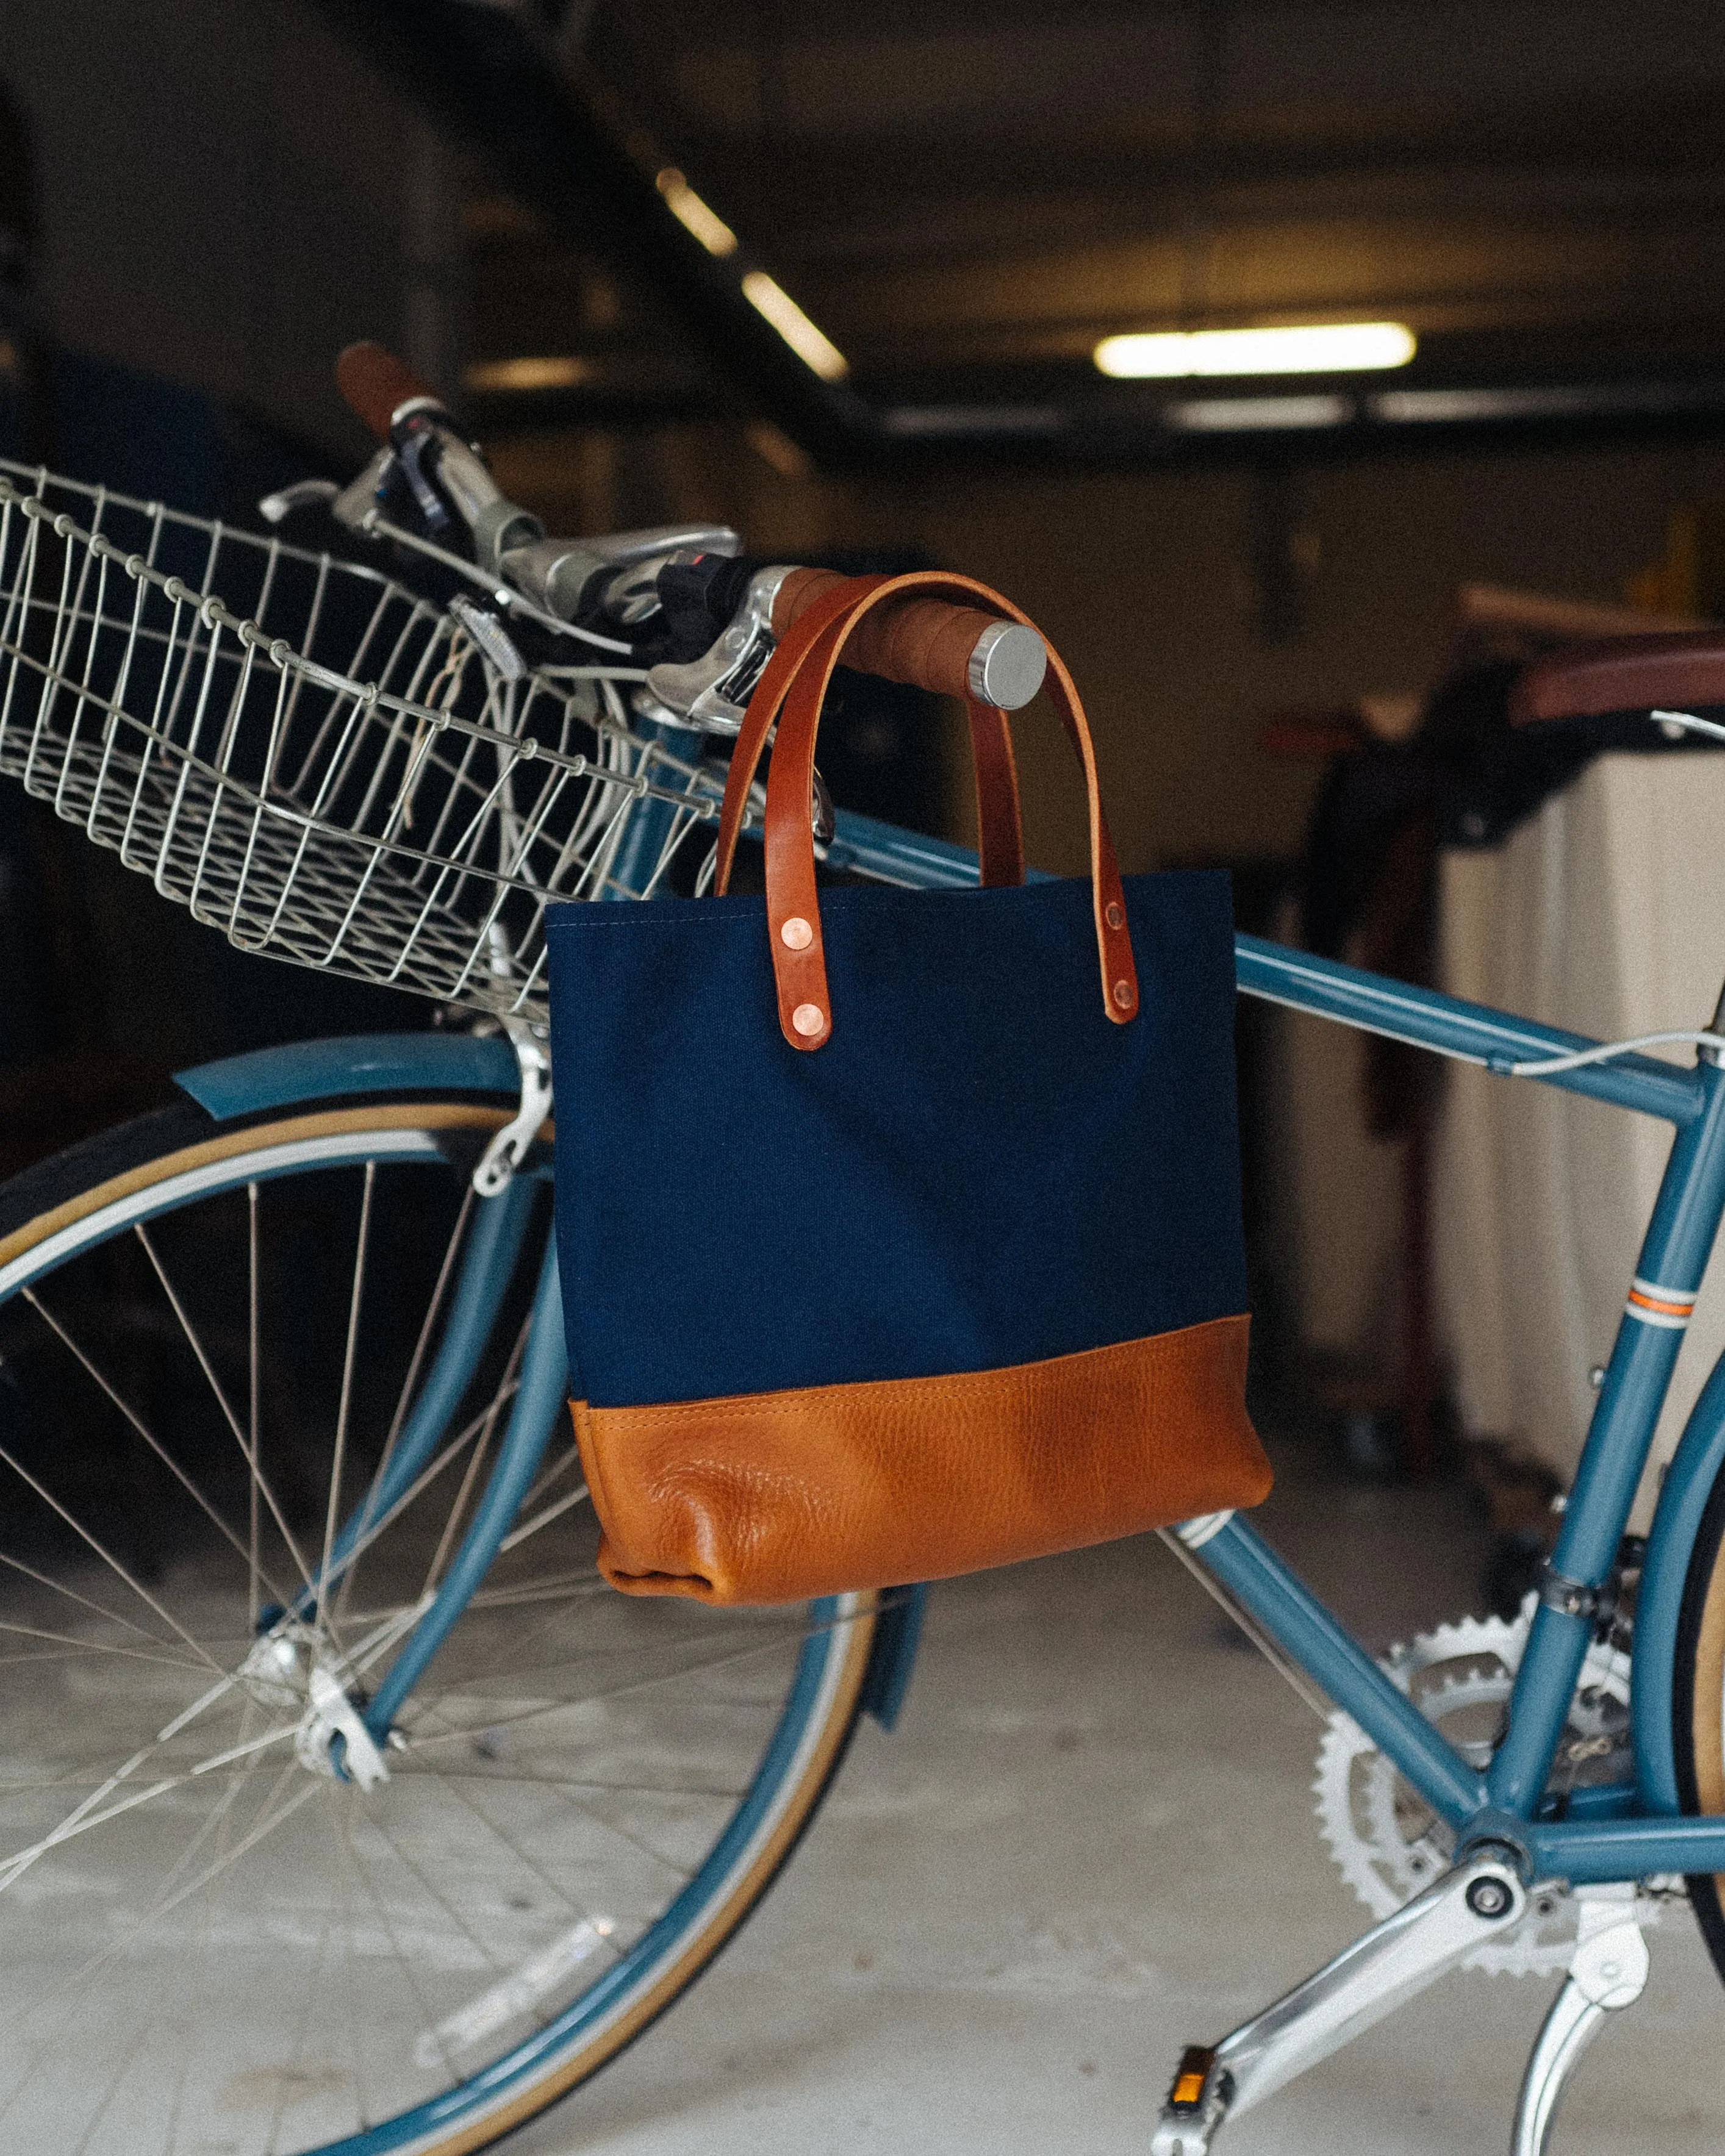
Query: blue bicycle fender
(1682, 1499)
(355, 1063)
(407, 1062)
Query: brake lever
(275, 508)
(712, 692)
(564, 575)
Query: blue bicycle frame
(1617, 1832)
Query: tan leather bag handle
(1000, 839)
(794, 692)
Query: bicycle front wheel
(211, 1335)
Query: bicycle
(368, 1738)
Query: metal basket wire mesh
(317, 761)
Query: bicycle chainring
(1389, 1844)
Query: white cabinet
(1604, 913)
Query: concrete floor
(1090, 1841)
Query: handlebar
(930, 643)
(376, 384)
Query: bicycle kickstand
(1607, 1972)
(1481, 1898)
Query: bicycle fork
(345, 1730)
(1393, 1963)
(541, 1397)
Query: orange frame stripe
(1665, 1309)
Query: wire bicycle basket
(329, 768)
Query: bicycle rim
(204, 1938)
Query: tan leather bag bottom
(774, 1496)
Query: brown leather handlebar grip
(375, 383)
(930, 644)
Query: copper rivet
(796, 934)
(1122, 994)
(1116, 915)
(809, 1019)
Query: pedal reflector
(1193, 2071)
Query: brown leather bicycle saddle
(1622, 673)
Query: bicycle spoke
(83, 1817)
(128, 2061)
(83, 1820)
(508, 1773)
(150, 1438)
(307, 2008)
(446, 1541)
(375, 1820)
(561, 1465)
(616, 1691)
(404, 1961)
(332, 1515)
(254, 1410)
(216, 1825)
(203, 1958)
(221, 1399)
(264, 1826)
(354, 2019)
(385, 1636)
(409, 1382)
(85, 1974)
(426, 1476)
(550, 1587)
(103, 1647)
(357, 2002)
(107, 1556)
(680, 1871)
(521, 1857)
(564, 1789)
(543, 1519)
(58, 1587)
(279, 1735)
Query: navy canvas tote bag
(899, 1230)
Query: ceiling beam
(492, 74)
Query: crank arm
(1391, 1964)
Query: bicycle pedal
(1197, 2104)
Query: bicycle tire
(789, 1696)
(1697, 1710)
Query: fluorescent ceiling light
(1557, 401)
(814, 350)
(1315, 348)
(1580, 400)
(1228, 415)
(692, 214)
(548, 373)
